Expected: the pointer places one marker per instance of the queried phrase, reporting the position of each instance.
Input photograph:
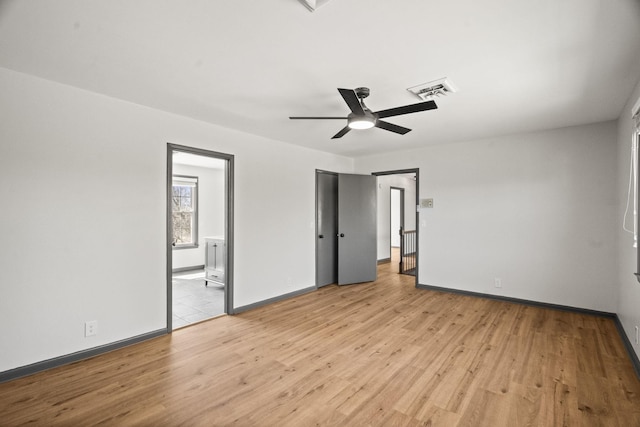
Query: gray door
(327, 227)
(357, 229)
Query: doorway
(199, 235)
(398, 219)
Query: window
(185, 211)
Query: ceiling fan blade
(351, 99)
(318, 118)
(342, 133)
(391, 127)
(407, 109)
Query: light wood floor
(381, 353)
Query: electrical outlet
(91, 328)
(497, 282)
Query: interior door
(327, 227)
(357, 229)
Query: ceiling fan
(362, 117)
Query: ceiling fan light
(362, 122)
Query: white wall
(84, 232)
(628, 303)
(536, 210)
(395, 217)
(385, 182)
(210, 212)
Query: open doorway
(199, 237)
(396, 224)
(398, 219)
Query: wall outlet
(91, 328)
(497, 282)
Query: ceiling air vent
(427, 91)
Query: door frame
(228, 224)
(416, 171)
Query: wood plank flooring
(379, 354)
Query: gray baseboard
(627, 344)
(194, 267)
(238, 310)
(85, 354)
(384, 261)
(625, 339)
(520, 301)
(23, 371)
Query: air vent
(436, 88)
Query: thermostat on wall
(426, 203)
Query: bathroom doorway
(199, 235)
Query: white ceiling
(520, 65)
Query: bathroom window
(185, 211)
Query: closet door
(327, 228)
(357, 229)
